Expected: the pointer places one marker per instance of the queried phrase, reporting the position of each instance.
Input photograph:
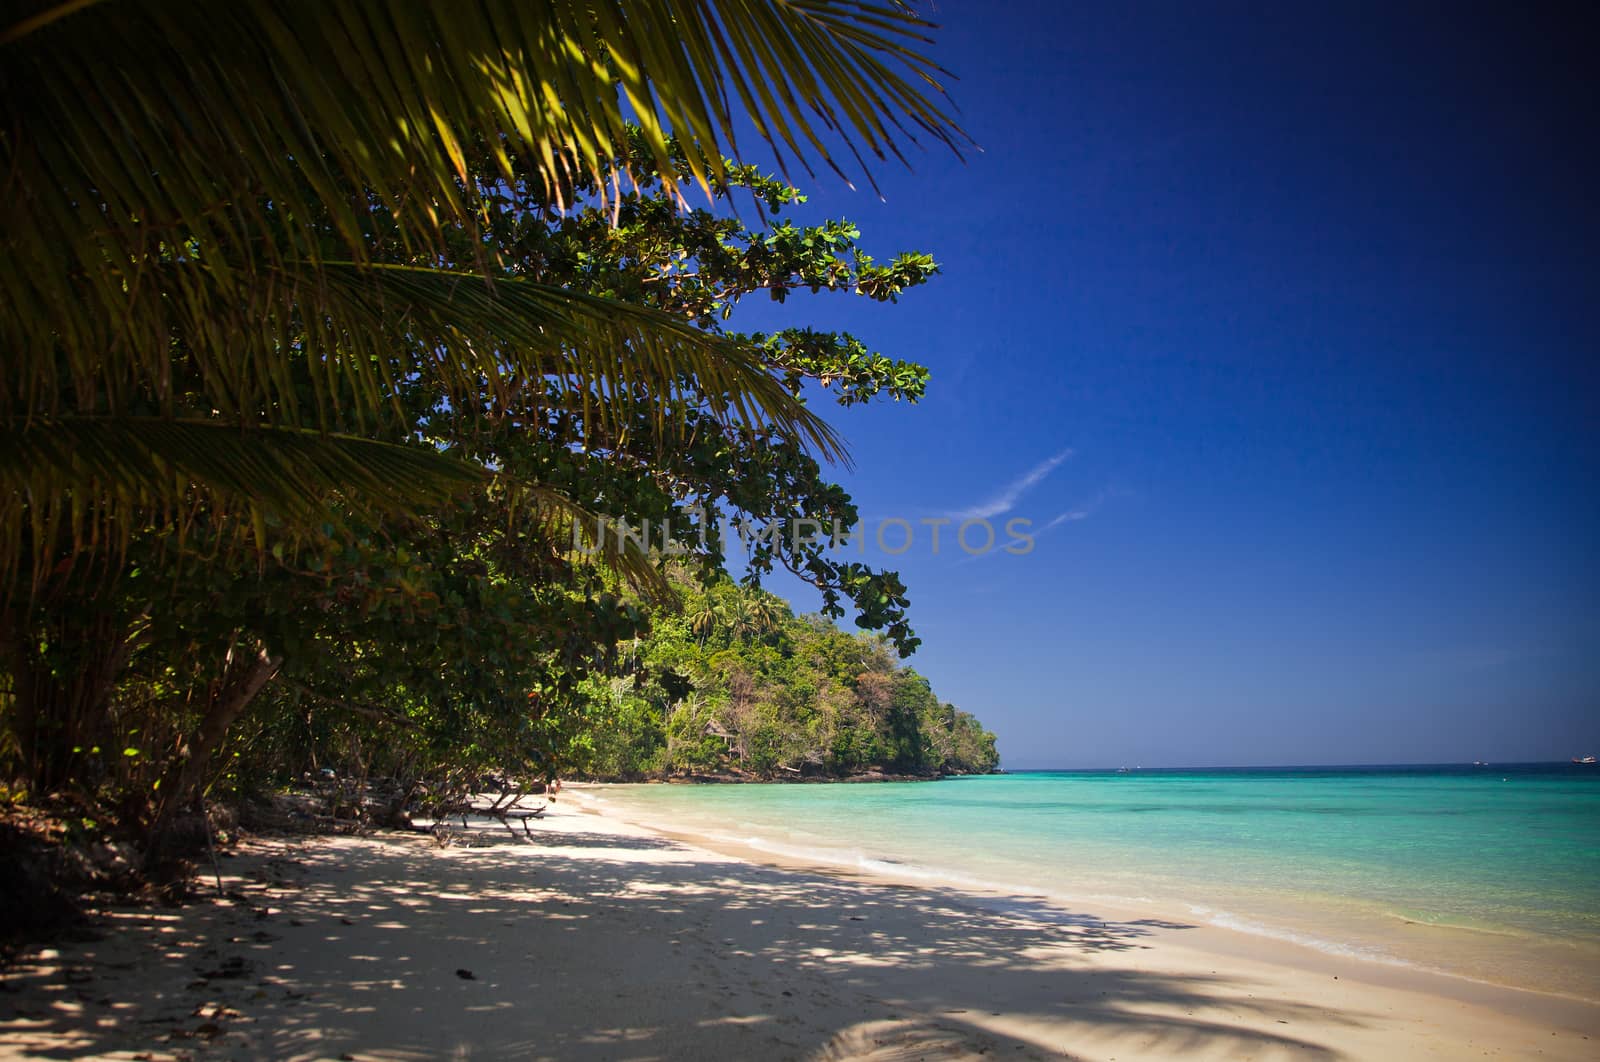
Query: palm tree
(766, 610)
(753, 614)
(706, 619)
(192, 301)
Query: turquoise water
(1489, 872)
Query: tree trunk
(243, 677)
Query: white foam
(1013, 900)
(1000, 896)
(994, 895)
(1229, 920)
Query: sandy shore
(598, 939)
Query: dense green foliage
(731, 680)
(203, 205)
(301, 440)
(472, 638)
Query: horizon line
(1003, 769)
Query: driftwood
(503, 810)
(522, 817)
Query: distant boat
(1479, 763)
(1586, 759)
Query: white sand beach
(598, 939)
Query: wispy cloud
(1007, 499)
(1072, 516)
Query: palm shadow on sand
(353, 948)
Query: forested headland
(731, 683)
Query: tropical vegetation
(331, 329)
(732, 683)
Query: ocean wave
(997, 896)
(1239, 924)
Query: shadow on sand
(584, 945)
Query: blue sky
(1287, 319)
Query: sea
(1489, 872)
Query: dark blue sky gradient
(1311, 296)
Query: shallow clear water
(1489, 872)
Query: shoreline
(600, 938)
(1333, 926)
(1246, 940)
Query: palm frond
(145, 128)
(575, 523)
(358, 331)
(73, 490)
(188, 192)
(95, 481)
(146, 461)
(611, 356)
